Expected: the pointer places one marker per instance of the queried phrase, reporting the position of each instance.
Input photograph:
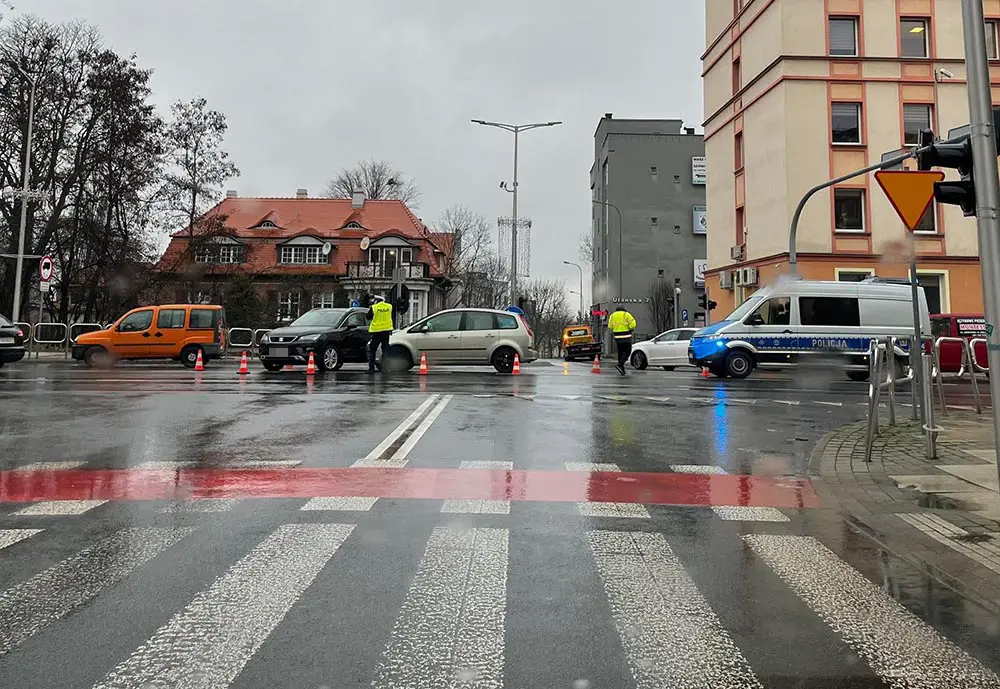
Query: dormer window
(353, 226)
(267, 225)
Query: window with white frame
(846, 123)
(849, 210)
(315, 255)
(352, 226)
(204, 254)
(302, 254)
(322, 300)
(843, 33)
(231, 253)
(268, 225)
(916, 118)
(991, 39)
(288, 305)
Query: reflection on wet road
(465, 529)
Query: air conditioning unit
(737, 252)
(749, 276)
(726, 279)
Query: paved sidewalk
(941, 515)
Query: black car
(335, 336)
(11, 342)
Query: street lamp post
(570, 263)
(620, 232)
(16, 311)
(515, 129)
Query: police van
(795, 321)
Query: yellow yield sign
(909, 191)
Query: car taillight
(527, 327)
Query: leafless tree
(378, 179)
(661, 304)
(585, 249)
(548, 312)
(471, 261)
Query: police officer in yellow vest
(380, 314)
(622, 325)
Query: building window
(843, 33)
(314, 255)
(352, 226)
(928, 222)
(740, 226)
(267, 225)
(913, 37)
(991, 39)
(204, 254)
(230, 254)
(738, 152)
(654, 221)
(916, 118)
(853, 275)
(302, 254)
(652, 171)
(932, 290)
(322, 300)
(846, 123)
(288, 305)
(737, 76)
(849, 210)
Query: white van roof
(883, 290)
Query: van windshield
(743, 309)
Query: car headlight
(265, 339)
(308, 338)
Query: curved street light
(619, 212)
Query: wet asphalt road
(161, 528)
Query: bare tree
(661, 304)
(548, 312)
(378, 179)
(585, 249)
(470, 259)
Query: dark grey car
(12, 340)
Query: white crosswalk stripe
(59, 508)
(9, 537)
(480, 506)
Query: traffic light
(956, 155)
(706, 303)
(399, 297)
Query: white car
(668, 350)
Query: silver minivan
(469, 337)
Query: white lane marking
(49, 466)
(791, 403)
(11, 536)
(59, 508)
(618, 510)
(704, 400)
(744, 513)
(404, 450)
(450, 629)
(733, 400)
(162, 465)
(671, 636)
(657, 399)
(29, 607)
(831, 404)
(568, 397)
(342, 504)
(696, 469)
(593, 467)
(986, 552)
(903, 650)
(206, 505)
(156, 465)
(209, 642)
(397, 433)
(479, 506)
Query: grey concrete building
(653, 173)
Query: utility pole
(987, 187)
(578, 267)
(25, 194)
(515, 129)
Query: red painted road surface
(431, 484)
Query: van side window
(170, 318)
(776, 311)
(506, 322)
(202, 318)
(842, 311)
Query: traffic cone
(704, 372)
(597, 365)
(516, 371)
(199, 364)
(244, 366)
(423, 363)
(311, 366)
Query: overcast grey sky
(310, 87)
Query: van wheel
(503, 360)
(639, 361)
(859, 376)
(98, 357)
(189, 356)
(738, 364)
(399, 359)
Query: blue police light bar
(514, 309)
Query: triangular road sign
(909, 191)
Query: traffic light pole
(984, 156)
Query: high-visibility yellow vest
(382, 319)
(621, 324)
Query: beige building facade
(800, 91)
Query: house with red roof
(302, 253)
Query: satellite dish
(364, 243)
(327, 248)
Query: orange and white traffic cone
(597, 365)
(311, 366)
(516, 371)
(244, 366)
(704, 372)
(199, 363)
(423, 363)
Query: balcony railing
(380, 271)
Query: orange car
(170, 331)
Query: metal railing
(240, 338)
(881, 376)
(968, 366)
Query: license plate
(6, 340)
(278, 352)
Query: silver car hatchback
(465, 337)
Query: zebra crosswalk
(449, 607)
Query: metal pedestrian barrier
(240, 338)
(968, 366)
(258, 334)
